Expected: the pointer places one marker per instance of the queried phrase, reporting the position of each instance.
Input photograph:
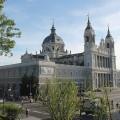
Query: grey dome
(53, 37)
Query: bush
(11, 110)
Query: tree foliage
(7, 32)
(26, 83)
(100, 109)
(61, 99)
(12, 111)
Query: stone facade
(95, 67)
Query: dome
(53, 37)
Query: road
(37, 111)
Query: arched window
(48, 49)
(108, 45)
(87, 39)
(53, 48)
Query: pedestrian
(117, 105)
(22, 102)
(119, 108)
(112, 104)
(27, 112)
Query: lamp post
(79, 93)
(10, 95)
(29, 89)
(3, 99)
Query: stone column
(96, 80)
(100, 81)
(102, 61)
(99, 60)
(95, 61)
(109, 62)
(105, 62)
(105, 79)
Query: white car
(1, 100)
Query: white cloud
(4, 60)
(113, 20)
(72, 32)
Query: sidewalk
(31, 118)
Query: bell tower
(89, 36)
(109, 44)
(89, 44)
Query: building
(95, 67)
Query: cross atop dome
(53, 28)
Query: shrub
(11, 110)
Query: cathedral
(95, 67)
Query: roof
(71, 55)
(53, 37)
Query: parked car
(1, 100)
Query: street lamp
(3, 99)
(9, 91)
(30, 91)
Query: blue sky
(35, 17)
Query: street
(38, 111)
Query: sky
(35, 18)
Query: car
(88, 106)
(97, 90)
(1, 100)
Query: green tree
(12, 111)
(61, 99)
(24, 91)
(29, 84)
(7, 32)
(100, 109)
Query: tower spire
(26, 51)
(88, 20)
(53, 22)
(53, 28)
(108, 32)
(88, 23)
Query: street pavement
(31, 118)
(37, 111)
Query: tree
(24, 91)
(88, 81)
(29, 84)
(12, 111)
(61, 99)
(100, 109)
(7, 32)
